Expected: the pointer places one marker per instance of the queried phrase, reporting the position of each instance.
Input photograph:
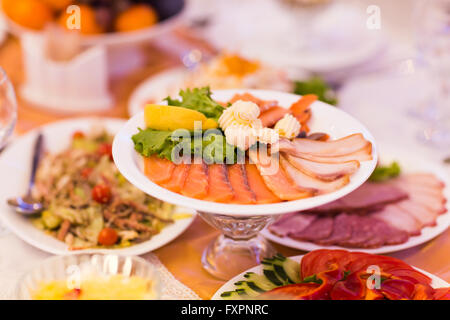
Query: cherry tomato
(105, 149)
(86, 172)
(107, 237)
(101, 193)
(78, 135)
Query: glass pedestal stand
(239, 247)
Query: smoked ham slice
(399, 219)
(307, 182)
(368, 197)
(364, 154)
(324, 170)
(332, 148)
(291, 223)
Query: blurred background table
(183, 256)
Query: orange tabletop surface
(182, 256)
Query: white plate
(408, 163)
(325, 118)
(436, 282)
(15, 163)
(156, 88)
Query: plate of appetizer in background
(143, 149)
(89, 205)
(226, 71)
(404, 204)
(101, 22)
(333, 275)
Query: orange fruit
(58, 4)
(136, 17)
(33, 14)
(88, 20)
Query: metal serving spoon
(26, 205)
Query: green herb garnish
(317, 86)
(383, 173)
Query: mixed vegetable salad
(89, 203)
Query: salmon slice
(220, 189)
(158, 170)
(257, 185)
(271, 116)
(262, 104)
(178, 178)
(238, 179)
(276, 179)
(196, 184)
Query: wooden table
(182, 256)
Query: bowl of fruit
(105, 22)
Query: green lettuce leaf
(198, 99)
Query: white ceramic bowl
(325, 118)
(65, 268)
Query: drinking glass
(8, 108)
(432, 20)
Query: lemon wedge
(161, 117)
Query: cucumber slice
(288, 270)
(249, 288)
(260, 281)
(237, 294)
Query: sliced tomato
(290, 292)
(324, 260)
(361, 263)
(397, 289)
(423, 292)
(409, 274)
(442, 294)
(352, 288)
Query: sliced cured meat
(342, 230)
(275, 177)
(257, 185)
(399, 219)
(321, 228)
(176, 182)
(220, 189)
(424, 179)
(431, 202)
(262, 104)
(324, 170)
(344, 146)
(426, 216)
(368, 197)
(291, 223)
(196, 184)
(158, 170)
(238, 180)
(305, 181)
(270, 117)
(363, 233)
(363, 154)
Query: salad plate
(409, 164)
(15, 163)
(229, 285)
(325, 118)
